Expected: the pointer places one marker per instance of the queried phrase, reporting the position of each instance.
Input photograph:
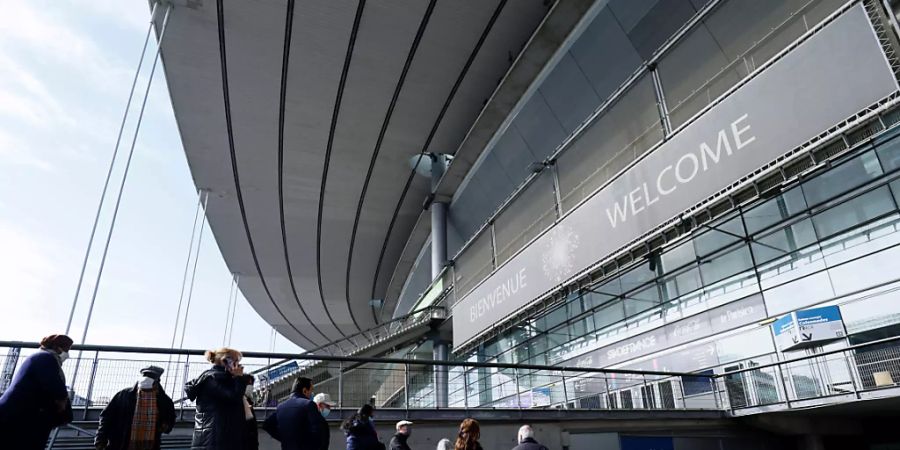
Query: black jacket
(361, 434)
(219, 422)
(251, 432)
(530, 444)
(115, 420)
(398, 442)
(298, 425)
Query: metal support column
(661, 102)
(406, 387)
(90, 388)
(441, 379)
(565, 391)
(341, 385)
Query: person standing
(444, 444)
(360, 430)
(469, 433)
(251, 428)
(324, 403)
(404, 429)
(137, 416)
(218, 392)
(526, 440)
(37, 400)
(297, 422)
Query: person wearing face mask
(37, 400)
(137, 416)
(360, 430)
(323, 401)
(297, 422)
(251, 428)
(404, 429)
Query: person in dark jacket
(219, 391)
(526, 440)
(360, 430)
(404, 429)
(137, 416)
(469, 434)
(37, 400)
(297, 423)
(251, 428)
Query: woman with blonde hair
(469, 433)
(219, 423)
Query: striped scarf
(143, 426)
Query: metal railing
(870, 370)
(392, 383)
(864, 371)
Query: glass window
(725, 265)
(797, 294)
(609, 315)
(873, 311)
(684, 283)
(638, 276)
(745, 345)
(851, 213)
(784, 241)
(593, 299)
(842, 178)
(775, 210)
(719, 235)
(863, 240)
(889, 154)
(678, 256)
(553, 318)
(865, 272)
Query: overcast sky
(65, 71)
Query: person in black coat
(404, 429)
(219, 422)
(527, 441)
(360, 430)
(297, 423)
(251, 428)
(37, 400)
(115, 429)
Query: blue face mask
(372, 420)
(325, 412)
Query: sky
(65, 73)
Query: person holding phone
(219, 423)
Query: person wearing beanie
(137, 416)
(37, 400)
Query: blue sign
(280, 371)
(808, 327)
(646, 443)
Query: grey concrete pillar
(438, 220)
(441, 384)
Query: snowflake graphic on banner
(558, 253)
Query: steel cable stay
(231, 299)
(190, 290)
(237, 291)
(112, 164)
(112, 226)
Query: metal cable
(231, 298)
(109, 171)
(112, 226)
(237, 291)
(190, 296)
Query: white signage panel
(792, 101)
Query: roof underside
(300, 118)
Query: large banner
(832, 75)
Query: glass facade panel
(725, 265)
(842, 178)
(853, 212)
(775, 210)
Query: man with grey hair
(526, 440)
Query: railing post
(606, 382)
(466, 390)
(565, 390)
(90, 388)
(787, 395)
(852, 374)
(717, 399)
(184, 379)
(341, 387)
(648, 398)
(518, 391)
(406, 387)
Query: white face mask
(146, 383)
(249, 391)
(63, 357)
